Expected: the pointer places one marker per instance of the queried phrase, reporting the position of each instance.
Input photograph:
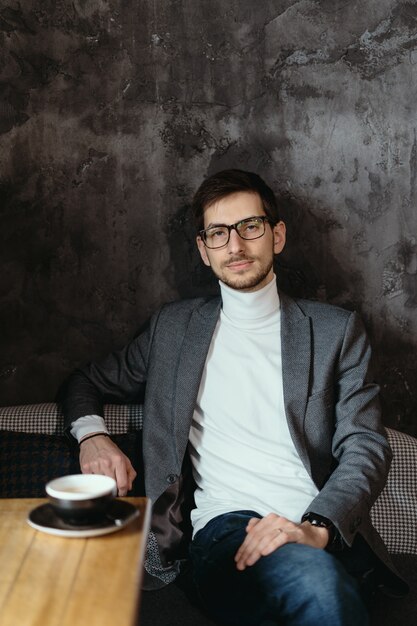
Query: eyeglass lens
(218, 236)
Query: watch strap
(335, 542)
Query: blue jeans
(296, 584)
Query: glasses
(219, 235)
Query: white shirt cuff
(87, 425)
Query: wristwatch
(335, 542)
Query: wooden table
(57, 581)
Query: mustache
(237, 259)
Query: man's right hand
(99, 455)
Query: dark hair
(225, 183)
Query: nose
(236, 243)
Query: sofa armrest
(394, 513)
(33, 449)
(47, 418)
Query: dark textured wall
(112, 112)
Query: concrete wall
(111, 113)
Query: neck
(253, 305)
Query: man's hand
(99, 455)
(273, 531)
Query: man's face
(242, 264)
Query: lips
(239, 264)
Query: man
(264, 409)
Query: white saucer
(119, 515)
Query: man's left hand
(273, 531)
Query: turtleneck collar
(254, 306)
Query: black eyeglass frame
(264, 218)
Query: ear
(203, 251)
(279, 233)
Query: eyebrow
(216, 224)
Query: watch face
(317, 520)
(320, 523)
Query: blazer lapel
(190, 368)
(296, 363)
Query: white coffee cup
(81, 498)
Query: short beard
(246, 284)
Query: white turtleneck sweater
(241, 449)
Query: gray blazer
(331, 404)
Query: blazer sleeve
(120, 377)
(359, 447)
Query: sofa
(33, 450)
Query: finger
(247, 548)
(248, 558)
(241, 550)
(102, 466)
(131, 475)
(257, 529)
(271, 538)
(122, 479)
(96, 467)
(252, 551)
(252, 523)
(262, 542)
(279, 540)
(254, 528)
(266, 546)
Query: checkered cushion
(394, 514)
(48, 419)
(29, 460)
(33, 449)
